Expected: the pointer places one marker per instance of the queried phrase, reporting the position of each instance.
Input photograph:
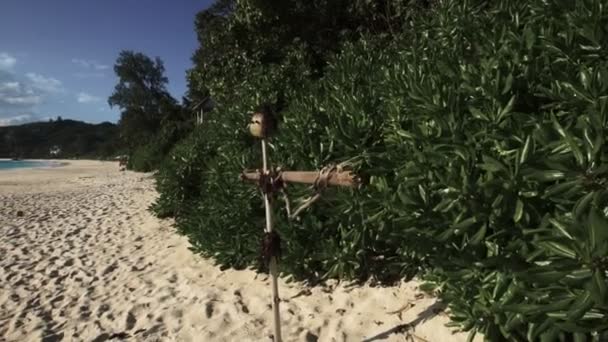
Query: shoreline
(33, 164)
(86, 260)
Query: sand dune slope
(81, 259)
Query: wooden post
(261, 126)
(273, 260)
(339, 178)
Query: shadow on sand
(430, 312)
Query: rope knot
(270, 181)
(322, 180)
(320, 184)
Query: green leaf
(519, 210)
(582, 204)
(404, 134)
(507, 109)
(581, 305)
(595, 314)
(472, 334)
(422, 193)
(547, 175)
(558, 314)
(523, 308)
(445, 235)
(579, 274)
(584, 77)
(515, 321)
(493, 165)
(535, 329)
(525, 150)
(570, 327)
(598, 288)
(497, 201)
(548, 276)
(559, 249)
(580, 159)
(443, 204)
(478, 237)
(580, 337)
(560, 188)
(502, 282)
(508, 84)
(598, 228)
(561, 228)
(477, 114)
(529, 37)
(404, 198)
(511, 292)
(465, 223)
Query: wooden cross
(262, 126)
(339, 178)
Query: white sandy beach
(82, 259)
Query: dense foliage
(151, 121)
(479, 125)
(68, 138)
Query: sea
(20, 164)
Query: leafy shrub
(500, 131)
(481, 131)
(179, 178)
(145, 158)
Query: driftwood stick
(339, 178)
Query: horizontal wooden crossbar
(337, 178)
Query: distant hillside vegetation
(59, 139)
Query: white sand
(87, 262)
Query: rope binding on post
(319, 185)
(271, 247)
(270, 182)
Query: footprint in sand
(240, 303)
(131, 321)
(209, 307)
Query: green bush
(145, 158)
(498, 127)
(154, 149)
(481, 131)
(179, 178)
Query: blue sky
(56, 56)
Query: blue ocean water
(18, 164)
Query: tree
(73, 138)
(141, 95)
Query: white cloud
(9, 86)
(87, 98)
(89, 74)
(22, 119)
(13, 93)
(90, 64)
(16, 120)
(20, 94)
(7, 61)
(22, 100)
(46, 84)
